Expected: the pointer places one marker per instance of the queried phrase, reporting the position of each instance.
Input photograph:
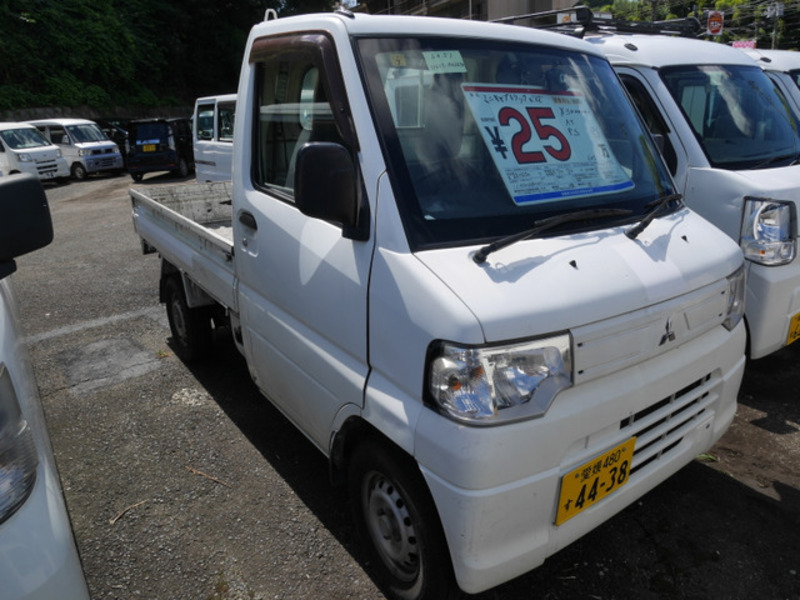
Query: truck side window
(205, 122)
(653, 119)
(225, 125)
(293, 110)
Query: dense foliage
(758, 20)
(110, 53)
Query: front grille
(46, 167)
(661, 426)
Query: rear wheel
(397, 520)
(190, 327)
(137, 177)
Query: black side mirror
(326, 186)
(25, 223)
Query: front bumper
(496, 489)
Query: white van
(38, 557)
(213, 137)
(731, 143)
(85, 147)
(24, 150)
(783, 67)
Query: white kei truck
(469, 283)
(38, 557)
(24, 150)
(732, 144)
(212, 134)
(783, 67)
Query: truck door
(303, 286)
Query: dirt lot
(183, 483)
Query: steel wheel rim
(179, 321)
(391, 527)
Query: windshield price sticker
(445, 61)
(594, 480)
(546, 145)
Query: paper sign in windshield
(546, 145)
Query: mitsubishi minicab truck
(24, 150)
(213, 136)
(783, 67)
(85, 147)
(471, 285)
(732, 145)
(38, 557)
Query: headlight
(18, 459)
(58, 153)
(487, 385)
(736, 293)
(768, 231)
(83, 152)
(24, 157)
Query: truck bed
(189, 225)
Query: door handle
(248, 220)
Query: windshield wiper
(775, 159)
(548, 223)
(659, 204)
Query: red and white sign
(715, 22)
(744, 44)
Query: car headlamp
(767, 234)
(18, 458)
(487, 385)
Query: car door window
(653, 119)
(293, 110)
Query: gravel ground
(184, 483)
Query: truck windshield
(86, 133)
(483, 138)
(738, 115)
(23, 138)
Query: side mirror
(326, 186)
(25, 223)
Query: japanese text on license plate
(594, 480)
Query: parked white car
(731, 143)
(85, 147)
(213, 137)
(783, 67)
(38, 557)
(23, 149)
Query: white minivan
(24, 150)
(85, 147)
(732, 144)
(213, 137)
(38, 557)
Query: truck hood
(718, 194)
(45, 153)
(543, 286)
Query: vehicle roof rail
(578, 20)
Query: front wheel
(191, 329)
(398, 523)
(79, 171)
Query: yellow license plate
(594, 480)
(149, 148)
(794, 330)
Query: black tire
(183, 168)
(399, 526)
(137, 177)
(191, 328)
(79, 171)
